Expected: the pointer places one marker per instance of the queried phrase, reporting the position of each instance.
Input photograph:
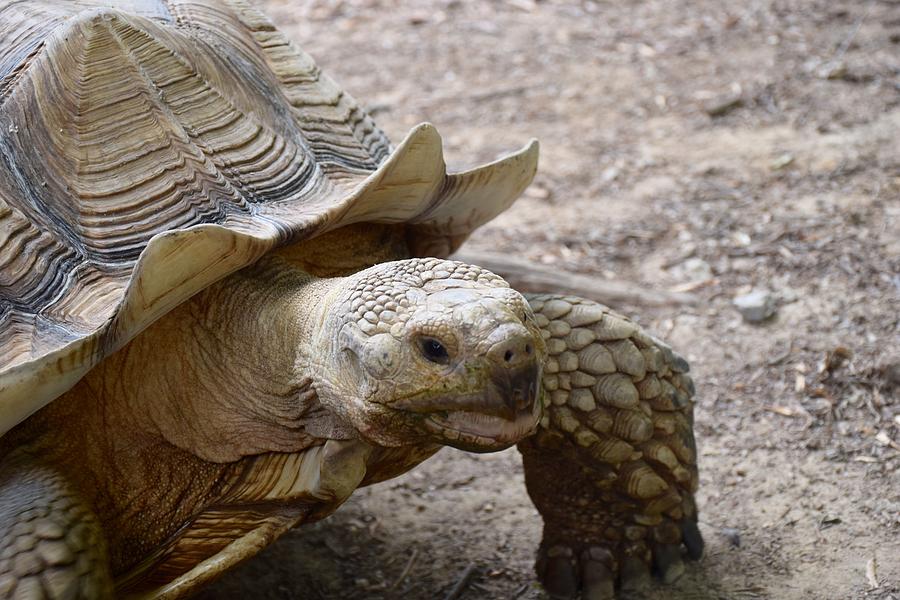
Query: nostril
(512, 347)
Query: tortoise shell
(149, 148)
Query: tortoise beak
(517, 389)
(515, 370)
(504, 406)
(500, 416)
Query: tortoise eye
(434, 351)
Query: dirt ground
(691, 145)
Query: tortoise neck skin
(184, 417)
(204, 411)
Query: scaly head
(430, 350)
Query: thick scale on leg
(613, 467)
(51, 545)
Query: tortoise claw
(597, 580)
(559, 577)
(668, 563)
(692, 539)
(634, 574)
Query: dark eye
(434, 351)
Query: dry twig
(461, 583)
(528, 277)
(406, 569)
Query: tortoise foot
(567, 564)
(564, 572)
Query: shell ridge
(179, 152)
(306, 161)
(30, 257)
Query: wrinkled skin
(361, 377)
(423, 354)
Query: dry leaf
(885, 440)
(835, 359)
(871, 573)
(690, 286)
(784, 411)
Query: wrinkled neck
(274, 310)
(206, 400)
(227, 374)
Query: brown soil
(686, 144)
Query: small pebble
(755, 307)
(732, 535)
(723, 105)
(782, 161)
(692, 269)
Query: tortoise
(226, 303)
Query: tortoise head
(429, 350)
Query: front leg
(51, 545)
(613, 467)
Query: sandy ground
(689, 145)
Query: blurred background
(747, 154)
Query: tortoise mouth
(480, 432)
(506, 410)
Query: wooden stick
(461, 583)
(406, 569)
(528, 277)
